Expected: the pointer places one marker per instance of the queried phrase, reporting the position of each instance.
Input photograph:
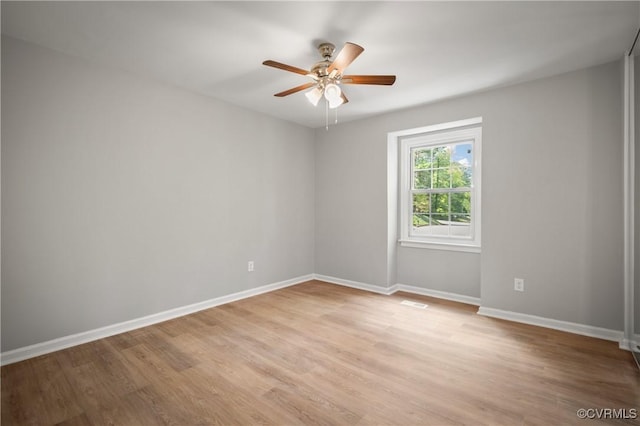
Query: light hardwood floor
(317, 353)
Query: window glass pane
(421, 220)
(441, 165)
(462, 154)
(421, 203)
(421, 159)
(461, 202)
(439, 225)
(441, 178)
(441, 156)
(422, 179)
(460, 225)
(460, 176)
(421, 209)
(440, 205)
(461, 162)
(440, 218)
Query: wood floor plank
(318, 353)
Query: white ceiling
(436, 49)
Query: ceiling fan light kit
(314, 95)
(332, 94)
(327, 75)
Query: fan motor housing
(326, 50)
(320, 68)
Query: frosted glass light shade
(332, 93)
(314, 95)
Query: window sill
(468, 248)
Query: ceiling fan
(328, 75)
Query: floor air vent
(414, 304)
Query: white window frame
(440, 134)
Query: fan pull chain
(336, 122)
(326, 115)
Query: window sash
(420, 231)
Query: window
(440, 186)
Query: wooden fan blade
(285, 67)
(348, 54)
(385, 80)
(344, 98)
(295, 89)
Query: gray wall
(123, 197)
(553, 203)
(551, 198)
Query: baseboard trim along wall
(469, 300)
(571, 327)
(38, 349)
(631, 345)
(355, 284)
(400, 287)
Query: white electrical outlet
(518, 284)
(250, 266)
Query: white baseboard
(571, 327)
(439, 294)
(387, 291)
(38, 349)
(355, 284)
(631, 345)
